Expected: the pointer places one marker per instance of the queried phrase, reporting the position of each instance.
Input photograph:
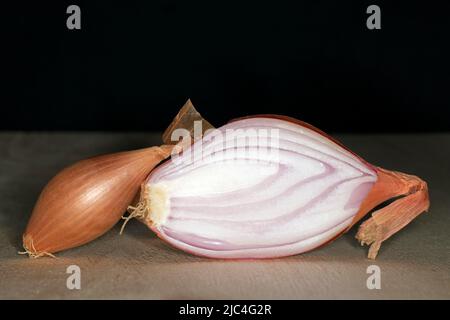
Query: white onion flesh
(255, 200)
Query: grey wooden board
(414, 263)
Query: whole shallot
(88, 198)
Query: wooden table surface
(137, 265)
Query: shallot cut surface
(257, 188)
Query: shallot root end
(31, 250)
(154, 212)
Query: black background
(134, 63)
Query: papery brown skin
(85, 200)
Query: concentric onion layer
(258, 188)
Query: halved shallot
(271, 186)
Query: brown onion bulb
(87, 199)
